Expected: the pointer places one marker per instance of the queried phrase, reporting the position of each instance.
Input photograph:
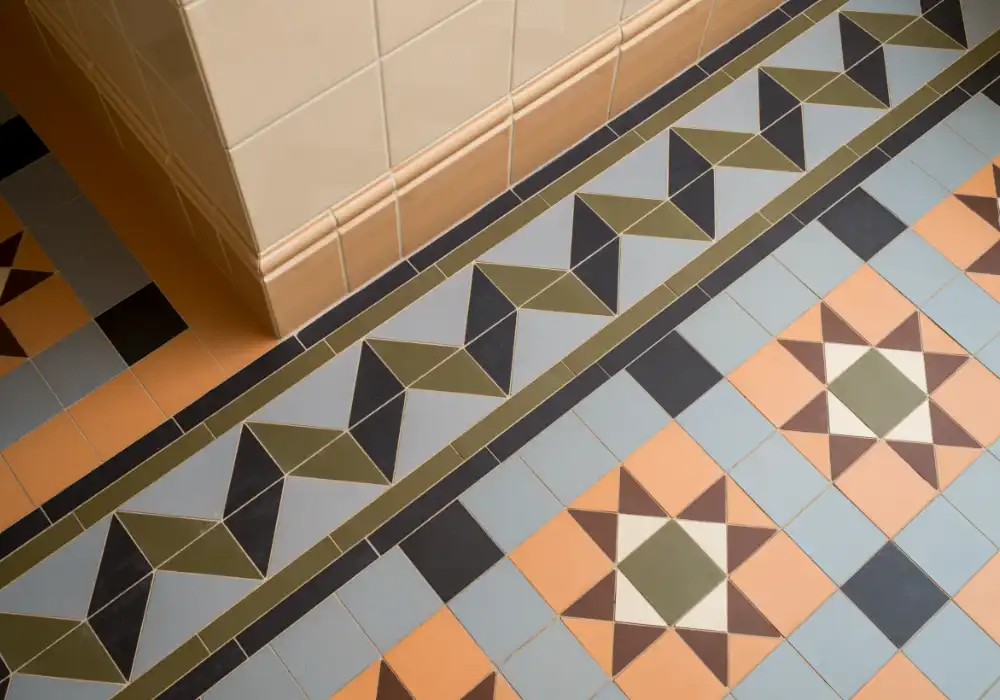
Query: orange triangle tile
(601, 496)
(982, 184)
(815, 447)
(597, 637)
(503, 691)
(936, 340)
(30, 256)
(808, 327)
(741, 510)
(991, 283)
(746, 652)
(363, 687)
(952, 461)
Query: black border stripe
(744, 41)
(907, 134)
(657, 100)
(198, 680)
(555, 169)
(464, 231)
(758, 249)
(835, 190)
(32, 524)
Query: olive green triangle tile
(844, 92)
(800, 82)
(291, 445)
(881, 25)
(160, 537)
(24, 636)
(569, 295)
(619, 212)
(410, 361)
(923, 34)
(667, 221)
(460, 374)
(217, 553)
(342, 460)
(519, 284)
(759, 154)
(79, 655)
(713, 145)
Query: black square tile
(451, 551)
(19, 146)
(141, 323)
(895, 594)
(862, 224)
(674, 374)
(993, 92)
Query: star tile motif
(22, 266)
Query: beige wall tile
(555, 122)
(730, 17)
(447, 75)
(659, 53)
(370, 243)
(549, 30)
(306, 285)
(632, 6)
(401, 20)
(205, 234)
(264, 58)
(311, 159)
(437, 200)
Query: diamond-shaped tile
(877, 392)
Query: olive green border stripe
(755, 55)
(968, 64)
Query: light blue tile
(945, 545)
(772, 295)
(725, 334)
(905, 190)
(35, 189)
(25, 403)
(554, 665)
(610, 692)
(955, 654)
(725, 424)
(68, 231)
(966, 313)
(104, 276)
(79, 363)
(622, 415)
(818, 258)
(783, 675)
(946, 157)
(914, 267)
(262, 676)
(976, 121)
(976, 493)
(779, 479)
(990, 356)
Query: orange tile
(503, 691)
(776, 383)
(363, 687)
(116, 415)
(982, 184)
(885, 488)
(14, 502)
(44, 315)
(957, 232)
(934, 339)
(784, 583)
(9, 223)
(669, 669)
(952, 461)
(989, 283)
(51, 457)
(815, 447)
(561, 561)
(741, 510)
(30, 255)
(602, 496)
(439, 660)
(807, 327)
(972, 397)
(869, 304)
(673, 468)
(179, 372)
(597, 637)
(899, 679)
(979, 597)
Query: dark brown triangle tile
(938, 367)
(9, 346)
(996, 179)
(845, 451)
(389, 685)
(633, 499)
(713, 650)
(21, 281)
(809, 354)
(989, 262)
(985, 207)
(947, 432)
(813, 418)
(596, 604)
(744, 618)
(602, 528)
(741, 543)
(483, 691)
(835, 330)
(8, 249)
(630, 641)
(905, 337)
(709, 507)
(920, 457)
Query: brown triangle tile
(996, 179)
(713, 650)
(633, 499)
(938, 368)
(9, 347)
(989, 262)
(809, 354)
(836, 330)
(709, 507)
(813, 418)
(984, 207)
(19, 282)
(742, 542)
(920, 457)
(945, 431)
(905, 337)
(389, 685)
(744, 618)
(630, 641)
(8, 249)
(483, 691)
(602, 528)
(845, 451)
(596, 604)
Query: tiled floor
(708, 408)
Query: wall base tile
(370, 243)
(304, 286)
(730, 17)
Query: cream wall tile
(447, 75)
(401, 20)
(730, 17)
(264, 58)
(633, 6)
(549, 30)
(313, 158)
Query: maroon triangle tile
(19, 282)
(483, 691)
(713, 650)
(633, 499)
(996, 180)
(984, 207)
(905, 337)
(9, 345)
(602, 528)
(989, 262)
(920, 457)
(8, 249)
(810, 355)
(709, 507)
(845, 451)
(835, 330)
(596, 604)
(814, 417)
(939, 367)
(389, 685)
(741, 543)
(630, 641)
(744, 618)
(946, 432)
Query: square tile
(870, 305)
(67, 231)
(990, 355)
(622, 415)
(568, 458)
(976, 121)
(777, 383)
(905, 190)
(179, 372)
(946, 157)
(899, 679)
(772, 295)
(779, 479)
(956, 654)
(978, 598)
(79, 363)
(104, 276)
(966, 313)
(725, 424)
(818, 258)
(842, 644)
(877, 392)
(554, 665)
(262, 675)
(725, 334)
(141, 323)
(836, 535)
(957, 232)
(875, 589)
(972, 398)
(975, 493)
(945, 545)
(784, 675)
(610, 692)
(501, 611)
(389, 599)
(116, 414)
(51, 457)
(451, 550)
(914, 267)
(25, 403)
(511, 503)
(35, 189)
(44, 315)
(674, 374)
(669, 669)
(862, 223)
